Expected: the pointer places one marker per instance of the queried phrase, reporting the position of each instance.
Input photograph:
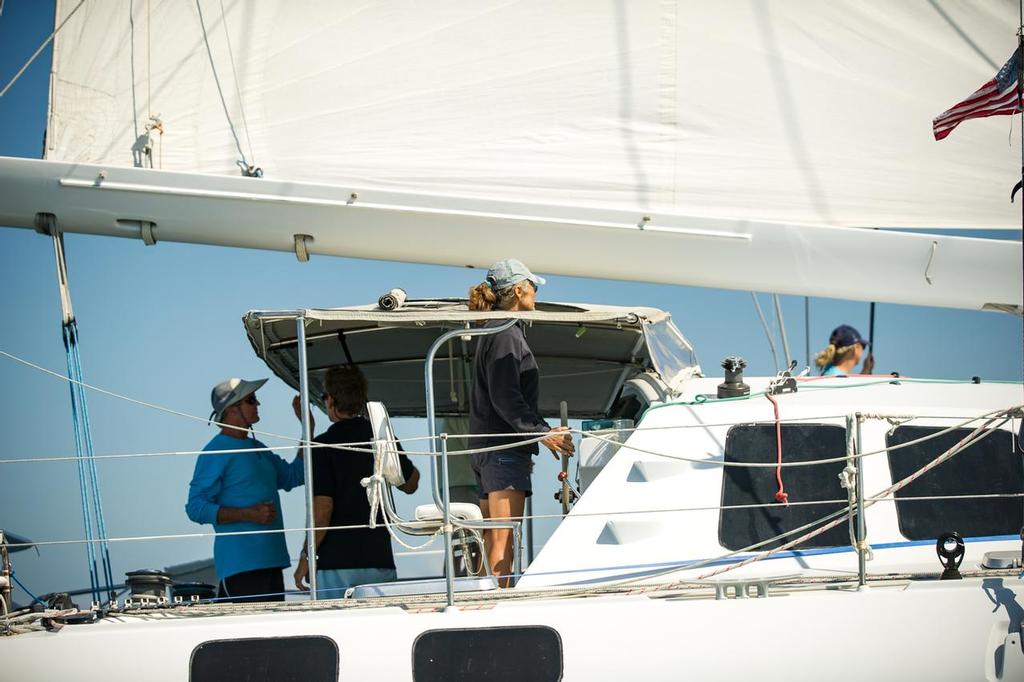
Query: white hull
(954, 630)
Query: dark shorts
(264, 584)
(504, 470)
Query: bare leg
(504, 505)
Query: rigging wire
(782, 330)
(234, 75)
(40, 49)
(1020, 108)
(541, 436)
(243, 163)
(807, 330)
(558, 516)
(767, 331)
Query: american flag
(998, 96)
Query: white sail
(723, 145)
(790, 112)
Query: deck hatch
(305, 659)
(497, 654)
(739, 528)
(987, 467)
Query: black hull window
(739, 528)
(496, 654)
(285, 659)
(988, 467)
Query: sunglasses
(250, 400)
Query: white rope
(832, 460)
(136, 455)
(574, 514)
(533, 438)
(374, 485)
(365, 447)
(186, 536)
(26, 622)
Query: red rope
(780, 496)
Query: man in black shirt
(355, 556)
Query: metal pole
(529, 530)
(428, 378)
(5, 575)
(782, 330)
(300, 340)
(563, 411)
(442, 502)
(449, 561)
(517, 552)
(767, 331)
(807, 329)
(862, 559)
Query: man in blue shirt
(237, 491)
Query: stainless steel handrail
(441, 499)
(307, 436)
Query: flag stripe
(979, 104)
(1009, 99)
(998, 96)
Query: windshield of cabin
(670, 352)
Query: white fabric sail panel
(797, 111)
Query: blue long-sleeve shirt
(242, 479)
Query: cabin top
(588, 355)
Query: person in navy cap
(237, 491)
(845, 348)
(503, 401)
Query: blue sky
(163, 324)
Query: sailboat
(743, 147)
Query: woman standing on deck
(506, 386)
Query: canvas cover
(584, 355)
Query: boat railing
(853, 511)
(442, 497)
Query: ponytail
(826, 356)
(482, 297)
(832, 355)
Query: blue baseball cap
(844, 335)
(510, 271)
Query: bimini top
(585, 353)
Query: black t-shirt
(506, 387)
(337, 474)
